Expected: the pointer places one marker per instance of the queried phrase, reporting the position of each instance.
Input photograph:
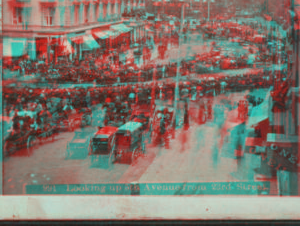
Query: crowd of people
(125, 82)
(28, 99)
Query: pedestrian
(186, 116)
(209, 109)
(88, 99)
(201, 113)
(99, 117)
(163, 134)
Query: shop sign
(281, 158)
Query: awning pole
(48, 49)
(80, 51)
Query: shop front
(105, 38)
(123, 35)
(18, 48)
(83, 43)
(138, 30)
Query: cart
(79, 145)
(130, 142)
(102, 146)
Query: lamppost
(208, 7)
(178, 64)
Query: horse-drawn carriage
(28, 131)
(129, 142)
(162, 113)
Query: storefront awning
(65, 48)
(101, 34)
(14, 47)
(104, 34)
(77, 38)
(89, 43)
(121, 28)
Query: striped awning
(89, 43)
(105, 34)
(121, 28)
(77, 38)
(65, 48)
(102, 34)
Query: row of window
(22, 16)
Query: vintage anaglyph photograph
(150, 97)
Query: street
(189, 161)
(195, 155)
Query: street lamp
(178, 62)
(208, 7)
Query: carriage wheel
(89, 149)
(7, 149)
(53, 136)
(143, 148)
(71, 127)
(135, 155)
(203, 118)
(112, 158)
(31, 142)
(153, 136)
(88, 120)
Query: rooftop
(131, 126)
(107, 131)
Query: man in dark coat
(163, 132)
(186, 117)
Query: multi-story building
(197, 9)
(66, 27)
(280, 10)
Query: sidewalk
(8, 74)
(14, 75)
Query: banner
(210, 188)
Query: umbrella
(185, 90)
(131, 95)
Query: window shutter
(27, 15)
(15, 18)
(44, 15)
(52, 16)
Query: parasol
(131, 96)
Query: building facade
(33, 27)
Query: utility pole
(296, 64)
(208, 8)
(178, 65)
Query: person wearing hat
(186, 122)
(98, 119)
(163, 135)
